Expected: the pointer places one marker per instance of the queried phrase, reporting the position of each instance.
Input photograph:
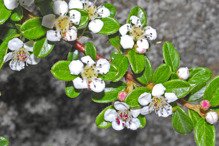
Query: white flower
(95, 13)
(158, 101)
(12, 4)
(211, 117)
(89, 71)
(64, 24)
(20, 55)
(122, 117)
(183, 73)
(134, 35)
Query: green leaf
(73, 55)
(171, 56)
(61, 71)
(4, 141)
(145, 77)
(194, 116)
(111, 8)
(140, 13)
(71, 92)
(198, 95)
(204, 134)
(142, 120)
(179, 87)
(198, 78)
(181, 122)
(90, 50)
(100, 122)
(32, 29)
(118, 68)
(42, 48)
(115, 41)
(84, 18)
(162, 74)
(5, 13)
(110, 94)
(212, 92)
(111, 26)
(45, 7)
(137, 61)
(17, 14)
(132, 98)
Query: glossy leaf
(84, 19)
(194, 116)
(140, 13)
(90, 50)
(198, 95)
(71, 92)
(114, 40)
(100, 122)
(162, 74)
(42, 48)
(4, 14)
(4, 141)
(17, 14)
(111, 26)
(142, 120)
(111, 8)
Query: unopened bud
(122, 95)
(205, 105)
(211, 117)
(183, 73)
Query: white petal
(76, 67)
(33, 60)
(49, 21)
(183, 73)
(103, 66)
(79, 83)
(8, 57)
(96, 25)
(121, 106)
(75, 16)
(103, 12)
(75, 4)
(16, 65)
(15, 44)
(171, 97)
(127, 42)
(11, 4)
(158, 90)
(87, 60)
(135, 112)
(142, 46)
(60, 7)
(53, 35)
(211, 117)
(71, 34)
(146, 110)
(97, 85)
(144, 99)
(165, 111)
(26, 3)
(118, 126)
(136, 21)
(110, 115)
(150, 33)
(134, 124)
(125, 29)
(29, 46)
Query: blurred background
(34, 110)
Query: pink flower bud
(205, 104)
(122, 95)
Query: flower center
(137, 32)
(158, 103)
(124, 116)
(21, 55)
(91, 9)
(89, 72)
(63, 24)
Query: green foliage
(111, 8)
(162, 74)
(45, 7)
(70, 91)
(4, 141)
(100, 122)
(42, 48)
(140, 13)
(142, 120)
(90, 50)
(17, 14)
(5, 13)
(84, 19)
(111, 26)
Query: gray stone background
(34, 110)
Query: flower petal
(121, 106)
(146, 110)
(158, 90)
(11, 4)
(142, 46)
(118, 125)
(79, 83)
(75, 16)
(125, 29)
(134, 124)
(135, 112)
(60, 7)
(8, 57)
(165, 111)
(16, 65)
(110, 115)
(29, 46)
(95, 25)
(53, 35)
(26, 3)
(103, 12)
(76, 67)
(87, 60)
(150, 33)
(171, 97)
(33, 60)
(127, 42)
(15, 44)
(97, 85)
(75, 4)
(71, 34)
(183, 73)
(144, 99)
(103, 66)
(136, 21)
(49, 21)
